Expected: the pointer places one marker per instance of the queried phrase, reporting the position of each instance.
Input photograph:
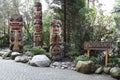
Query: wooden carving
(37, 35)
(16, 23)
(55, 38)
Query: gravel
(11, 70)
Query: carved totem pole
(38, 34)
(16, 42)
(55, 39)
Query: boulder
(115, 72)
(85, 67)
(14, 54)
(5, 53)
(22, 59)
(1, 53)
(40, 61)
(106, 70)
(99, 70)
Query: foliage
(27, 47)
(104, 27)
(114, 56)
(28, 37)
(73, 53)
(85, 57)
(116, 15)
(114, 60)
(46, 29)
(37, 50)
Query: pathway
(10, 70)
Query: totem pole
(16, 42)
(38, 34)
(55, 39)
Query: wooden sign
(97, 45)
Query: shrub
(74, 53)
(114, 62)
(81, 58)
(38, 50)
(27, 47)
(85, 57)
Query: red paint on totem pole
(15, 25)
(55, 30)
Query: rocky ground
(11, 70)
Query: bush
(85, 57)
(114, 59)
(27, 47)
(38, 50)
(73, 54)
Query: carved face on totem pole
(37, 25)
(37, 6)
(56, 27)
(16, 22)
(38, 11)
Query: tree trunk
(64, 26)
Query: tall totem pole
(16, 42)
(38, 34)
(56, 39)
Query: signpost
(97, 45)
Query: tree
(116, 14)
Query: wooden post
(106, 57)
(88, 52)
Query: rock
(18, 58)
(73, 68)
(85, 67)
(52, 66)
(28, 53)
(106, 70)
(40, 60)
(99, 70)
(5, 52)
(1, 53)
(64, 66)
(56, 64)
(14, 54)
(115, 72)
(22, 59)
